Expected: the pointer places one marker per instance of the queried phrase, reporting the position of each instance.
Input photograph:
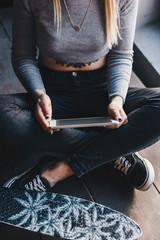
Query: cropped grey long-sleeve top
(33, 27)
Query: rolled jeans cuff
(78, 171)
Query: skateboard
(64, 216)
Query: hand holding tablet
(82, 122)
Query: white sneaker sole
(150, 174)
(12, 180)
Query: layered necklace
(77, 28)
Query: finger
(46, 107)
(51, 131)
(123, 120)
(45, 104)
(124, 117)
(113, 126)
(56, 130)
(48, 118)
(115, 114)
(40, 117)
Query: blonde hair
(112, 20)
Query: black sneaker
(32, 179)
(137, 170)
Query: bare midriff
(60, 66)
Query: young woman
(82, 69)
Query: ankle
(61, 171)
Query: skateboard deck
(64, 216)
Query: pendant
(76, 28)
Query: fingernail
(47, 116)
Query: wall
(149, 11)
(5, 3)
(147, 43)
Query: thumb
(45, 105)
(114, 114)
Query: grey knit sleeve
(24, 47)
(120, 58)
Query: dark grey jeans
(81, 95)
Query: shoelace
(36, 184)
(123, 165)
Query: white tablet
(82, 122)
